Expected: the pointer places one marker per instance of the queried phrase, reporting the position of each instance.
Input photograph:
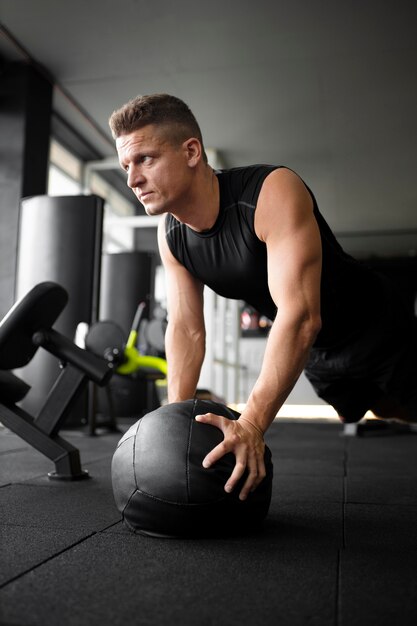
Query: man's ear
(193, 150)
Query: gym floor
(338, 548)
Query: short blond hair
(160, 109)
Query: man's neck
(202, 207)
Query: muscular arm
(185, 334)
(285, 222)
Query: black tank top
(232, 260)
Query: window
(64, 178)
(70, 176)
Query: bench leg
(65, 456)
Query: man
(256, 234)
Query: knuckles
(234, 438)
(262, 474)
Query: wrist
(252, 424)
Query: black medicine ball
(161, 487)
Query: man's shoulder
(247, 170)
(243, 184)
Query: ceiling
(326, 87)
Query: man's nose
(134, 178)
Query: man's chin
(151, 211)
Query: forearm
(185, 354)
(286, 353)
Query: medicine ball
(161, 487)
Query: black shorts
(380, 361)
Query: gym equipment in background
(161, 488)
(27, 327)
(127, 278)
(60, 241)
(106, 339)
(132, 360)
(152, 332)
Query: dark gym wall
(59, 240)
(25, 115)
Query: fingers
(222, 448)
(248, 448)
(234, 478)
(211, 418)
(214, 455)
(254, 479)
(256, 473)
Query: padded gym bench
(27, 327)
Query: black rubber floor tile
(306, 449)
(381, 489)
(318, 463)
(308, 488)
(24, 547)
(29, 466)
(84, 505)
(301, 523)
(92, 447)
(378, 587)
(111, 579)
(99, 471)
(21, 464)
(383, 526)
(9, 441)
(305, 436)
(383, 455)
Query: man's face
(157, 171)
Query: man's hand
(246, 442)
